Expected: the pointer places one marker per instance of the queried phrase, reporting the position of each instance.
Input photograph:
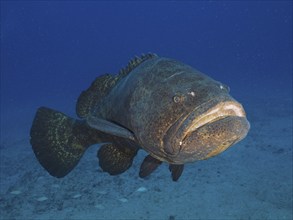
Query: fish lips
(213, 138)
(206, 131)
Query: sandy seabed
(252, 180)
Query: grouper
(172, 111)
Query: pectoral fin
(109, 127)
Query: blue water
(51, 51)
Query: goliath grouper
(175, 113)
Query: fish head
(206, 131)
(186, 116)
(210, 121)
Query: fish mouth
(218, 112)
(214, 111)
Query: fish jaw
(213, 138)
(207, 131)
(221, 110)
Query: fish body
(167, 108)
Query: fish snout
(214, 138)
(208, 131)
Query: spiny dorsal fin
(102, 85)
(133, 63)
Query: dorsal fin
(133, 63)
(102, 85)
(89, 98)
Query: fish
(172, 111)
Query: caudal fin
(59, 141)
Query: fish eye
(178, 98)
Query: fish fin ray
(135, 62)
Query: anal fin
(116, 159)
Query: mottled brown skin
(151, 101)
(59, 142)
(172, 111)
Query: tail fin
(59, 141)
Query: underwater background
(52, 50)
